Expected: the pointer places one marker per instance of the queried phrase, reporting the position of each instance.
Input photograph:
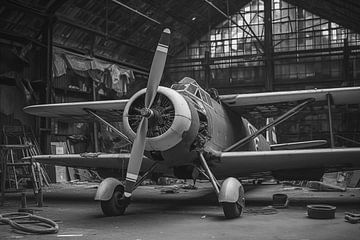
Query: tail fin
(270, 132)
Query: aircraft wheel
(117, 204)
(231, 210)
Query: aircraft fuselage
(214, 127)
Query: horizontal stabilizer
(298, 145)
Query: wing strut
(280, 119)
(92, 113)
(330, 103)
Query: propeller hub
(146, 112)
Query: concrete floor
(189, 214)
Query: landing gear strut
(230, 194)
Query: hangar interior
(59, 51)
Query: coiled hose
(10, 218)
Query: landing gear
(230, 195)
(117, 204)
(232, 210)
(111, 194)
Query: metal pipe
(137, 12)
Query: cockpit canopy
(191, 88)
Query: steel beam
(137, 12)
(269, 61)
(71, 23)
(20, 38)
(251, 33)
(18, 6)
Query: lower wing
(95, 160)
(244, 163)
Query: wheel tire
(321, 211)
(116, 205)
(231, 210)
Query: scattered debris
(170, 189)
(291, 188)
(321, 211)
(352, 217)
(263, 211)
(189, 187)
(280, 200)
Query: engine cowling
(171, 119)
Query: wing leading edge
(348, 95)
(244, 163)
(103, 160)
(77, 110)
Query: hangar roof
(127, 31)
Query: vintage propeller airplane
(184, 130)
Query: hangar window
(308, 50)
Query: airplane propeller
(137, 151)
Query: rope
(10, 218)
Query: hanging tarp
(109, 74)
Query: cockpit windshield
(190, 87)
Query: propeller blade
(157, 67)
(136, 156)
(137, 151)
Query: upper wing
(347, 95)
(244, 163)
(88, 161)
(110, 110)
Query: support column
(269, 62)
(207, 69)
(346, 66)
(49, 60)
(45, 123)
(96, 142)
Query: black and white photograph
(180, 119)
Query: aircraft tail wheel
(117, 204)
(232, 210)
